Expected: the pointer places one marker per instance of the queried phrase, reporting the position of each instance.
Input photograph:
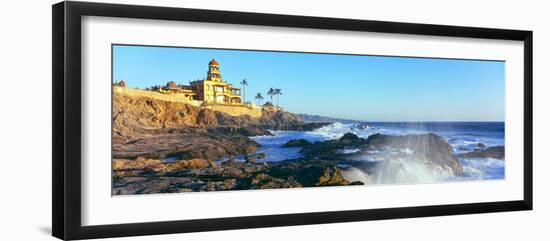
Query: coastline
(165, 146)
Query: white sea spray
(390, 169)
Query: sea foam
(389, 169)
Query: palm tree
(259, 97)
(244, 83)
(271, 93)
(278, 92)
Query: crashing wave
(399, 171)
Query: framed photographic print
(170, 120)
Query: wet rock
(330, 150)
(297, 143)
(481, 145)
(429, 147)
(350, 139)
(497, 152)
(349, 136)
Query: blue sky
(371, 88)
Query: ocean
(462, 136)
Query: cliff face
(134, 114)
(147, 127)
(130, 113)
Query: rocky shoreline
(322, 164)
(144, 127)
(167, 147)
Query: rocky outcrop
(282, 120)
(152, 128)
(157, 165)
(132, 114)
(332, 177)
(186, 143)
(330, 150)
(490, 152)
(206, 118)
(153, 176)
(162, 146)
(429, 147)
(297, 143)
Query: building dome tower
(214, 71)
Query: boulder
(297, 143)
(428, 147)
(349, 136)
(330, 150)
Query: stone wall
(253, 111)
(234, 110)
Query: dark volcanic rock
(349, 136)
(154, 176)
(297, 143)
(146, 131)
(350, 139)
(430, 147)
(491, 152)
(329, 150)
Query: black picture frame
(66, 75)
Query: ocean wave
(399, 171)
(337, 130)
(482, 169)
(390, 168)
